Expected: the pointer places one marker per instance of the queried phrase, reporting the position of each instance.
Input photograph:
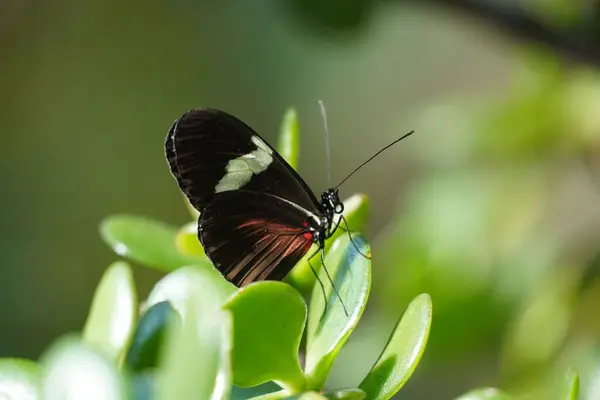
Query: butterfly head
(331, 203)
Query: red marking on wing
(308, 236)
(309, 240)
(275, 242)
(253, 223)
(269, 227)
(283, 246)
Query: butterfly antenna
(327, 149)
(373, 156)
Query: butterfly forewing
(211, 152)
(257, 216)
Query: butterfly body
(258, 218)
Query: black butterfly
(258, 218)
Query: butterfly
(258, 217)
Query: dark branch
(576, 47)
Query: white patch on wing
(239, 171)
(261, 145)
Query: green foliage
(147, 340)
(266, 344)
(289, 138)
(148, 242)
(187, 240)
(482, 230)
(73, 369)
(113, 313)
(200, 337)
(571, 389)
(484, 394)
(177, 286)
(328, 325)
(346, 394)
(195, 362)
(402, 353)
(19, 377)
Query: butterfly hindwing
(252, 236)
(212, 152)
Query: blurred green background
(493, 207)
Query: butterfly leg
(342, 218)
(322, 251)
(338, 225)
(320, 282)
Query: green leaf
(307, 396)
(187, 240)
(356, 212)
(191, 209)
(345, 394)
(19, 379)
(149, 336)
(328, 328)
(288, 145)
(337, 394)
(113, 312)
(484, 394)
(73, 370)
(268, 321)
(311, 396)
(148, 242)
(195, 359)
(572, 386)
(402, 353)
(279, 395)
(240, 393)
(542, 324)
(177, 286)
(142, 386)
